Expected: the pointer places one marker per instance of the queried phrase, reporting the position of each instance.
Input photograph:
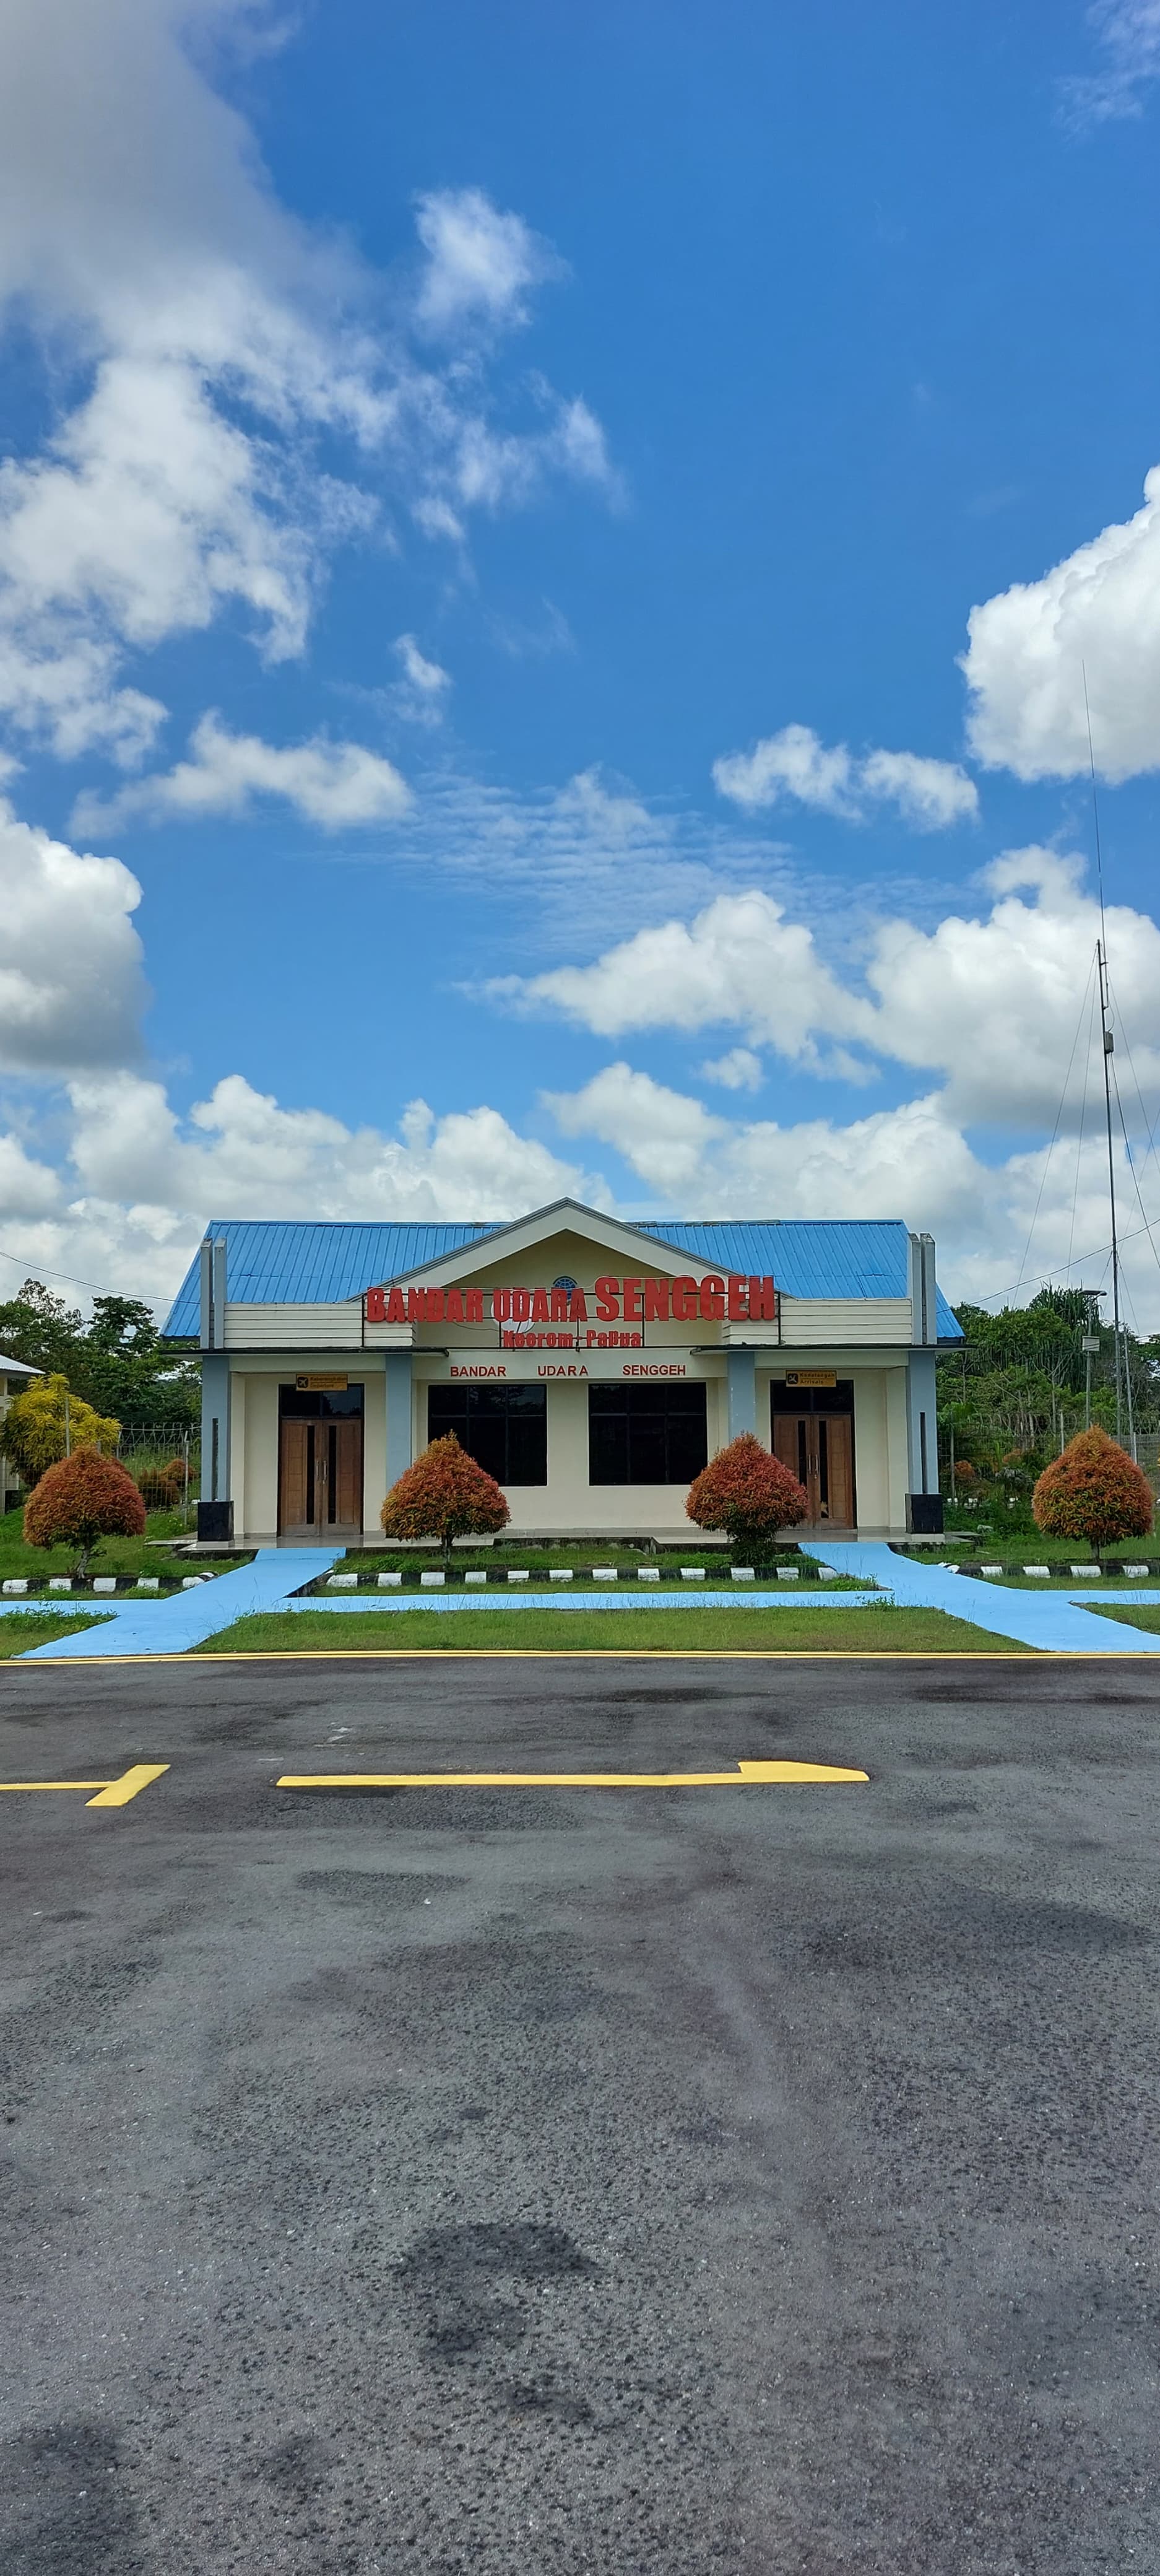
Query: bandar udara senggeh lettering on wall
(717, 1298)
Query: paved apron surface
(547, 2181)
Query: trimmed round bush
(1094, 1491)
(748, 1493)
(80, 1501)
(446, 1495)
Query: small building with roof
(591, 1365)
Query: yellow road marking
(744, 1775)
(113, 1793)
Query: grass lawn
(1030, 1547)
(19, 1633)
(543, 1632)
(538, 1556)
(1147, 1616)
(113, 1556)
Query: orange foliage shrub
(81, 1500)
(1094, 1491)
(746, 1492)
(444, 1495)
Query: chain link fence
(164, 1460)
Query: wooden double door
(320, 1478)
(818, 1448)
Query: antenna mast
(1108, 1050)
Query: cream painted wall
(237, 1484)
(897, 1468)
(260, 1493)
(871, 1458)
(567, 1501)
(374, 1452)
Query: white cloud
(897, 1162)
(129, 1209)
(1130, 32)
(911, 1162)
(929, 794)
(994, 1004)
(71, 985)
(738, 961)
(242, 1153)
(421, 694)
(333, 784)
(1097, 611)
(790, 763)
(990, 1003)
(739, 1070)
(480, 263)
(666, 1137)
(229, 377)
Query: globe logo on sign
(569, 1284)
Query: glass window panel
(646, 1435)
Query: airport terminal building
(590, 1365)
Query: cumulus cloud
(479, 263)
(738, 1070)
(738, 961)
(333, 784)
(241, 1152)
(893, 1163)
(993, 1004)
(129, 1207)
(1002, 1229)
(929, 794)
(990, 1002)
(1098, 611)
(71, 983)
(238, 416)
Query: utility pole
(1090, 1344)
(1109, 1049)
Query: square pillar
(400, 1446)
(923, 1503)
(215, 1510)
(741, 1373)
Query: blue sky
(547, 567)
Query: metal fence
(995, 1433)
(164, 1459)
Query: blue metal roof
(809, 1256)
(269, 1263)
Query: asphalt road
(538, 2182)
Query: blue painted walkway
(1055, 1622)
(188, 1618)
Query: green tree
(116, 1360)
(47, 1420)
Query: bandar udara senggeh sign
(717, 1298)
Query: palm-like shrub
(748, 1493)
(35, 1432)
(446, 1495)
(81, 1500)
(1093, 1491)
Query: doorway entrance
(320, 1461)
(813, 1435)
